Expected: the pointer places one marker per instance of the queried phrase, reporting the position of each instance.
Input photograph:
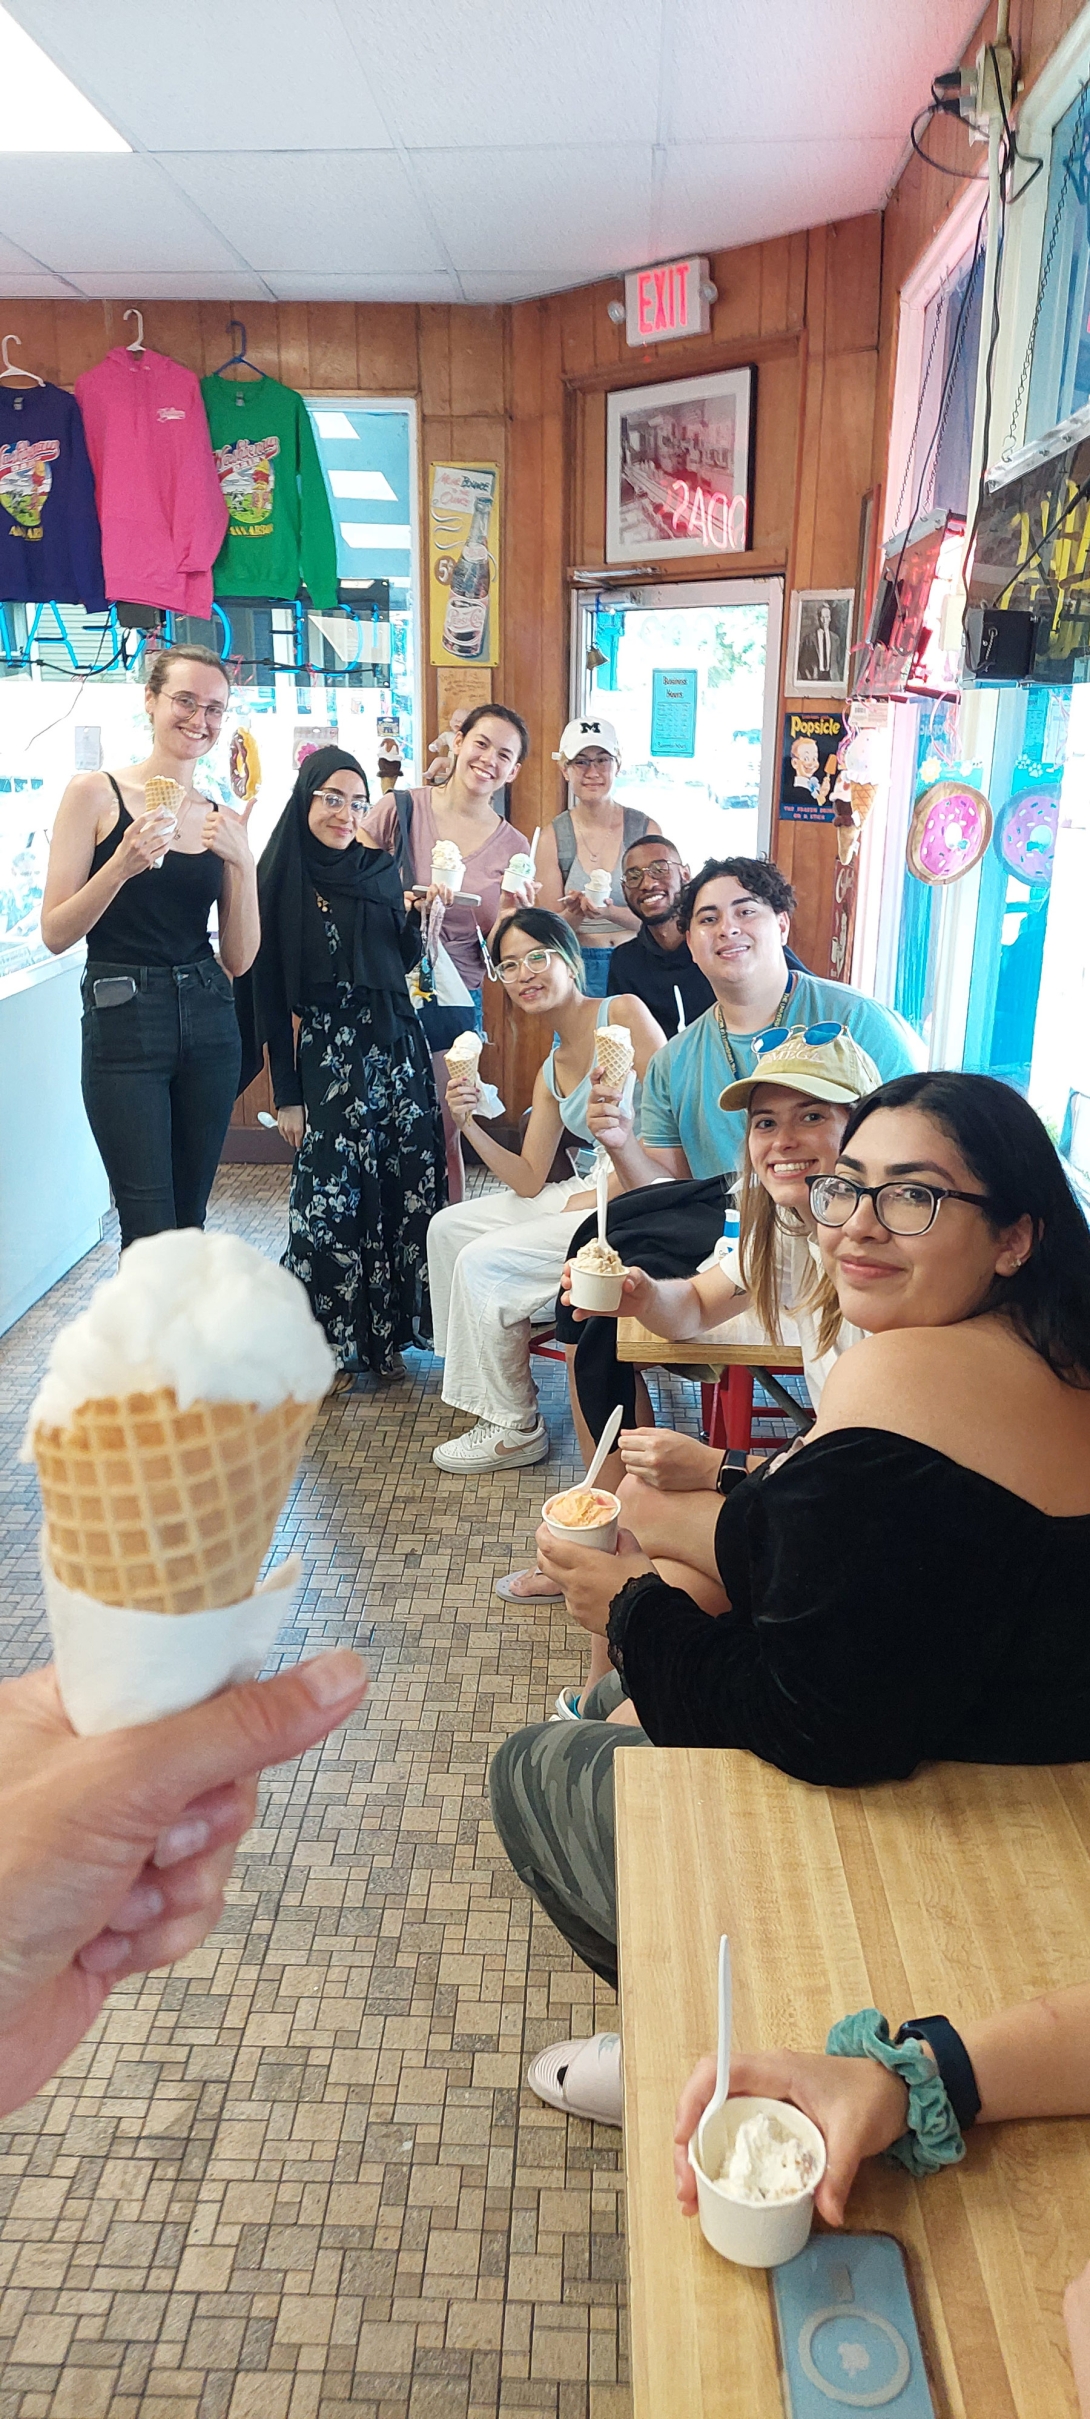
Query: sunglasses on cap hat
(775, 1037)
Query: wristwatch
(731, 1472)
(953, 2061)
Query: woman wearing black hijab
(354, 1091)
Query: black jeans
(160, 1073)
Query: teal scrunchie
(934, 2137)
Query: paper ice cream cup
(602, 1294)
(118, 1667)
(753, 2236)
(602, 1539)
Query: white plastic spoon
(606, 1443)
(680, 1009)
(722, 2060)
(533, 849)
(601, 1186)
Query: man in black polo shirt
(658, 959)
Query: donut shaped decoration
(1026, 834)
(949, 832)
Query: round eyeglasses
(335, 798)
(659, 870)
(534, 962)
(903, 1209)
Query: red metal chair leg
(739, 1410)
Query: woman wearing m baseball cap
(588, 839)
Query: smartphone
(848, 2336)
(113, 990)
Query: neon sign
(718, 520)
(667, 302)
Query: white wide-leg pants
(492, 1263)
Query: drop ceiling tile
(569, 212)
(723, 194)
(439, 285)
(847, 66)
(510, 285)
(110, 211)
(26, 285)
(349, 212)
(179, 285)
(469, 74)
(271, 77)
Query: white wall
(53, 1189)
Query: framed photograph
(679, 467)
(819, 642)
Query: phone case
(848, 2336)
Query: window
(1060, 373)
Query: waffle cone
(614, 1054)
(864, 794)
(162, 795)
(168, 1511)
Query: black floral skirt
(370, 1174)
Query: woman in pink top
(490, 753)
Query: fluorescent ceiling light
(369, 486)
(40, 108)
(387, 537)
(336, 424)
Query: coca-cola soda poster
(679, 467)
(464, 560)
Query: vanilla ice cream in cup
(584, 1516)
(757, 2164)
(597, 1277)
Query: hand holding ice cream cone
(464, 1086)
(166, 1433)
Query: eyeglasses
(903, 1209)
(774, 1037)
(659, 871)
(534, 962)
(184, 702)
(335, 798)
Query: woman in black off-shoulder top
(913, 1582)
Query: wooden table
(964, 1890)
(735, 1350)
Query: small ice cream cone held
(165, 799)
(613, 1049)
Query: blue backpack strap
(564, 835)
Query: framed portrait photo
(679, 467)
(819, 642)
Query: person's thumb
(156, 1769)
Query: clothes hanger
(239, 359)
(137, 345)
(14, 369)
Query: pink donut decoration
(1027, 834)
(949, 832)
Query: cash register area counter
(53, 1189)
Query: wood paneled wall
(525, 386)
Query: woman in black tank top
(161, 1046)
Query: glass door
(689, 676)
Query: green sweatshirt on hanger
(279, 528)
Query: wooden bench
(737, 1350)
(963, 1890)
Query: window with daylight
(1060, 372)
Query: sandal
(568, 1707)
(582, 2078)
(508, 1588)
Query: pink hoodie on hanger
(159, 498)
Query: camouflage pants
(552, 1804)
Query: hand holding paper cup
(166, 1434)
(597, 1277)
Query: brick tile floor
(298, 2176)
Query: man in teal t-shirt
(737, 914)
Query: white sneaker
(486, 1447)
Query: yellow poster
(464, 562)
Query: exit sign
(666, 302)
